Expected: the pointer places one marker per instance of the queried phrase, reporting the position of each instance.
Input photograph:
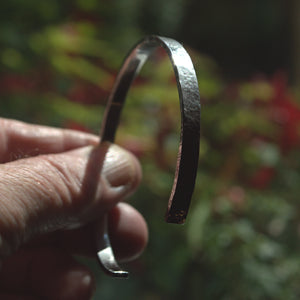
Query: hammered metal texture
(189, 98)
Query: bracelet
(188, 153)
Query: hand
(53, 184)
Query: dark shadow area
(244, 37)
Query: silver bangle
(188, 153)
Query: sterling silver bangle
(188, 153)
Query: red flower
(14, 83)
(286, 113)
(262, 177)
(87, 94)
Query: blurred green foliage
(58, 63)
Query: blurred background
(58, 63)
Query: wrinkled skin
(54, 184)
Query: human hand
(52, 180)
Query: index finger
(19, 139)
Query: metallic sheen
(188, 153)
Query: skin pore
(54, 184)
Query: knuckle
(61, 178)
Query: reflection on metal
(105, 253)
(188, 153)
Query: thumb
(50, 192)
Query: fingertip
(121, 170)
(63, 278)
(128, 232)
(46, 273)
(77, 283)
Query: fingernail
(121, 168)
